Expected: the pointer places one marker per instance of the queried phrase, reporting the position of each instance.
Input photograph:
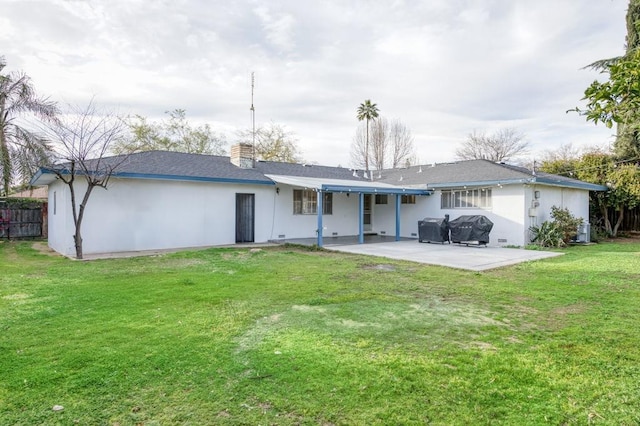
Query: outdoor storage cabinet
(433, 230)
(470, 229)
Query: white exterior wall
(510, 211)
(60, 232)
(575, 200)
(343, 220)
(138, 214)
(507, 214)
(384, 216)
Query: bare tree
(565, 152)
(403, 152)
(359, 148)
(378, 143)
(503, 145)
(82, 140)
(390, 143)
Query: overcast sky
(443, 67)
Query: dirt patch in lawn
(559, 317)
(43, 248)
(10, 252)
(430, 322)
(576, 308)
(629, 238)
(380, 267)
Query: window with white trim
(305, 201)
(408, 199)
(466, 199)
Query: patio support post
(360, 218)
(398, 198)
(320, 208)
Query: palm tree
(21, 151)
(367, 111)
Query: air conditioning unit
(584, 233)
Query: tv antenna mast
(253, 119)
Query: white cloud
(443, 67)
(278, 29)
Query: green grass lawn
(290, 336)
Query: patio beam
(360, 218)
(398, 199)
(376, 190)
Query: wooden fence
(22, 221)
(630, 221)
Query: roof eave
(577, 184)
(534, 179)
(447, 185)
(375, 190)
(43, 176)
(191, 178)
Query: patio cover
(342, 185)
(360, 187)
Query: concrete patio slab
(451, 255)
(471, 258)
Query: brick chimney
(242, 155)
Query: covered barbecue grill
(433, 230)
(470, 230)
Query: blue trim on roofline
(345, 188)
(373, 190)
(35, 177)
(191, 178)
(579, 184)
(447, 185)
(44, 170)
(532, 180)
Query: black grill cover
(434, 230)
(470, 229)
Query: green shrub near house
(557, 232)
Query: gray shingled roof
(307, 170)
(461, 171)
(472, 172)
(182, 166)
(162, 163)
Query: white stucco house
(163, 200)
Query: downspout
(320, 208)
